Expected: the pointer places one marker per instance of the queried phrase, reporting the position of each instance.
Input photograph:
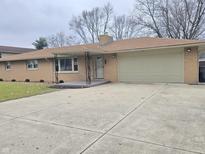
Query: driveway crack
(157, 144)
(159, 90)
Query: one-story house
(9, 50)
(137, 60)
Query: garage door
(151, 66)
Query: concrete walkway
(108, 119)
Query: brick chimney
(105, 39)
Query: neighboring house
(7, 50)
(140, 60)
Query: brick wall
(191, 66)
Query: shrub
(61, 81)
(41, 80)
(1, 79)
(13, 80)
(27, 80)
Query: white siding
(151, 66)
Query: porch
(79, 84)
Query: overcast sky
(23, 21)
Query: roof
(149, 43)
(9, 49)
(144, 43)
(51, 52)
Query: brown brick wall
(75, 76)
(45, 72)
(19, 72)
(191, 66)
(110, 68)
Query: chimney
(105, 39)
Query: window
(32, 64)
(8, 66)
(67, 65)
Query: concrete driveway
(108, 119)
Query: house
(138, 60)
(8, 50)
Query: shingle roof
(50, 52)
(148, 42)
(9, 49)
(114, 47)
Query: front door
(99, 67)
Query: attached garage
(164, 65)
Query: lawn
(16, 90)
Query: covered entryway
(165, 65)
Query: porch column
(87, 68)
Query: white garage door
(151, 66)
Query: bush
(41, 80)
(13, 80)
(1, 79)
(61, 81)
(27, 80)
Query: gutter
(33, 58)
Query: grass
(11, 90)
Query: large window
(32, 64)
(67, 65)
(8, 66)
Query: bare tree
(195, 14)
(147, 13)
(90, 24)
(172, 18)
(92, 21)
(60, 40)
(108, 12)
(124, 27)
(78, 27)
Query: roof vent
(105, 39)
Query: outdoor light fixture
(188, 50)
(114, 55)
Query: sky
(24, 21)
